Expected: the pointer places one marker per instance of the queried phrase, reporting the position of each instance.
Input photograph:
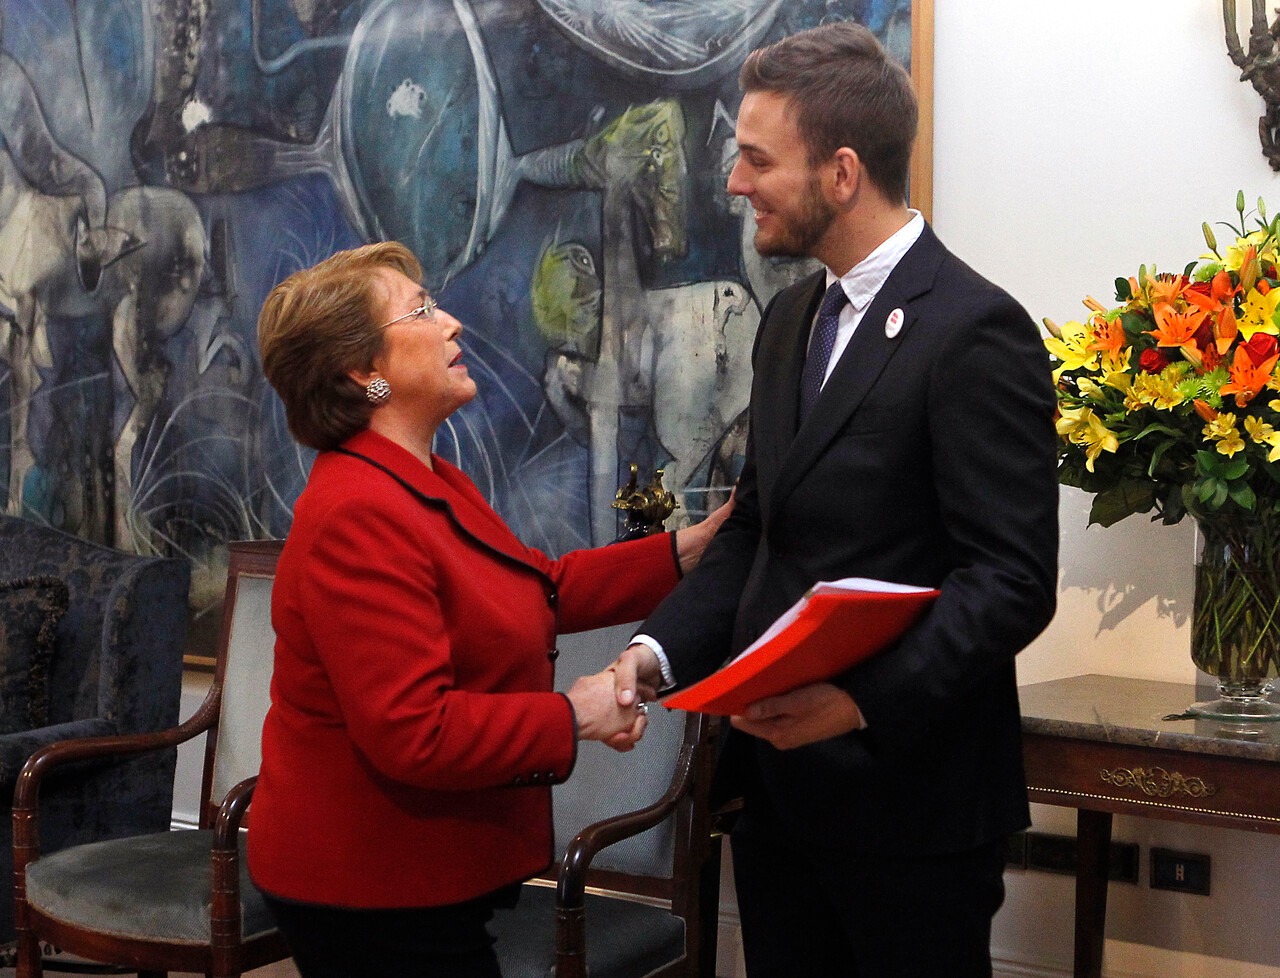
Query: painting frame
(922, 78)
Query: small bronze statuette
(645, 509)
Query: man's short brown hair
(845, 91)
(315, 327)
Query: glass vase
(1235, 635)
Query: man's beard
(797, 237)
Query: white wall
(1073, 142)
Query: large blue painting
(557, 165)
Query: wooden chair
(636, 892)
(168, 900)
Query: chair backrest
(121, 606)
(605, 783)
(242, 673)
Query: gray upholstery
(624, 939)
(246, 685)
(154, 887)
(116, 668)
(606, 783)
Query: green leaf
(1220, 466)
(1219, 496)
(1206, 489)
(1135, 327)
(1123, 290)
(1163, 429)
(1244, 496)
(1113, 505)
(1233, 470)
(1157, 455)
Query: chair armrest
(226, 827)
(16, 747)
(26, 793)
(571, 884)
(224, 859)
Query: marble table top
(1118, 710)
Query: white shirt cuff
(664, 667)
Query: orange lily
(1220, 303)
(1106, 337)
(1178, 329)
(1166, 289)
(1248, 380)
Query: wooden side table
(1101, 745)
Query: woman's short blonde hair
(315, 328)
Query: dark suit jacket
(413, 734)
(928, 459)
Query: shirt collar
(865, 279)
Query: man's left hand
(803, 716)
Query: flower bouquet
(1170, 403)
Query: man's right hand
(636, 675)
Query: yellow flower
(1230, 444)
(1223, 425)
(1263, 434)
(1119, 378)
(1089, 388)
(1115, 369)
(1257, 311)
(1159, 391)
(1222, 429)
(1238, 253)
(1081, 426)
(1072, 349)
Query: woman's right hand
(599, 715)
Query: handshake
(612, 706)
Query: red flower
(1261, 346)
(1153, 361)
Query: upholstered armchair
(91, 643)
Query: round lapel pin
(893, 324)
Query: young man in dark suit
(901, 429)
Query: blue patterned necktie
(820, 346)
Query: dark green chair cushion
(624, 939)
(156, 886)
(30, 609)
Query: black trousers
(412, 942)
(812, 910)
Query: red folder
(833, 627)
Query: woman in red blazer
(413, 734)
